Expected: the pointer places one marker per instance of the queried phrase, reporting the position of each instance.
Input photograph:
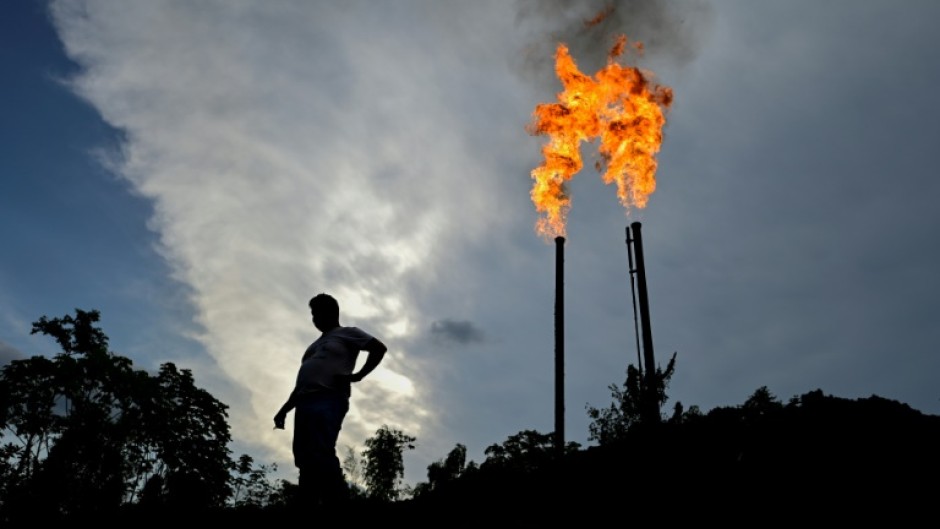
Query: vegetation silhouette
(85, 437)
(384, 467)
(626, 410)
(816, 456)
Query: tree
(384, 466)
(27, 420)
(449, 468)
(81, 419)
(85, 433)
(189, 433)
(527, 450)
(625, 413)
(251, 485)
(353, 472)
(446, 470)
(761, 402)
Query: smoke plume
(670, 31)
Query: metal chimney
(560, 345)
(651, 412)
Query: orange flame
(621, 107)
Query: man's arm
(281, 414)
(376, 350)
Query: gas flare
(623, 108)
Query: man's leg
(309, 489)
(318, 420)
(334, 484)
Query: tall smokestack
(650, 397)
(560, 345)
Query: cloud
(456, 332)
(286, 155)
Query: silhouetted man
(320, 399)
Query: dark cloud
(456, 332)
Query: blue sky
(197, 171)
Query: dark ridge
(818, 456)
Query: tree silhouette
(761, 402)
(85, 433)
(353, 472)
(447, 470)
(251, 487)
(75, 430)
(384, 466)
(527, 450)
(30, 426)
(190, 437)
(611, 424)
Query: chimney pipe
(651, 398)
(559, 345)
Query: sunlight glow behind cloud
(279, 168)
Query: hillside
(818, 456)
(817, 459)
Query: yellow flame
(622, 107)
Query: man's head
(325, 311)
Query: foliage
(383, 467)
(353, 472)
(85, 433)
(251, 486)
(626, 412)
(447, 470)
(450, 467)
(527, 450)
(283, 493)
(761, 402)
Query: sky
(196, 171)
